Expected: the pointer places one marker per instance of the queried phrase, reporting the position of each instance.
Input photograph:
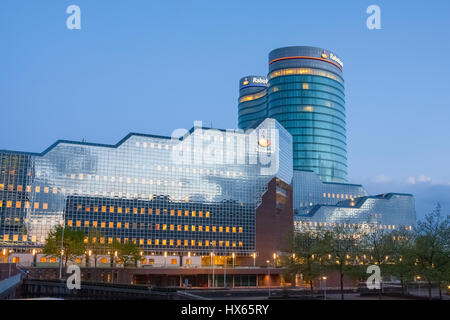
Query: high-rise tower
(305, 93)
(252, 101)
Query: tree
(305, 260)
(401, 256)
(73, 243)
(341, 243)
(431, 248)
(129, 254)
(97, 248)
(377, 245)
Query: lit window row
(344, 225)
(253, 96)
(302, 71)
(162, 227)
(150, 211)
(26, 204)
(339, 196)
(170, 242)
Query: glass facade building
(195, 193)
(305, 93)
(252, 101)
(318, 203)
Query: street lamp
(212, 263)
(268, 272)
(233, 256)
(189, 257)
(165, 258)
(254, 259)
(274, 260)
(34, 257)
(325, 292)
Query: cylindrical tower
(252, 101)
(306, 95)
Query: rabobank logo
(336, 59)
(324, 55)
(245, 82)
(260, 80)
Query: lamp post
(268, 272)
(34, 257)
(225, 272)
(325, 292)
(189, 257)
(165, 258)
(62, 251)
(418, 278)
(254, 259)
(233, 256)
(212, 263)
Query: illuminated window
(18, 204)
(214, 229)
(43, 260)
(45, 206)
(78, 223)
(135, 210)
(103, 208)
(173, 261)
(193, 228)
(103, 225)
(38, 189)
(220, 229)
(119, 225)
(207, 228)
(192, 242)
(305, 86)
(86, 223)
(207, 214)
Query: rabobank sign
(260, 80)
(336, 59)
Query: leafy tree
(72, 240)
(97, 248)
(305, 260)
(113, 251)
(401, 256)
(378, 245)
(431, 248)
(129, 254)
(342, 244)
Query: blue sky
(153, 66)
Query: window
(305, 86)
(173, 261)
(43, 260)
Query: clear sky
(154, 66)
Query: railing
(7, 285)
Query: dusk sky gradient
(154, 66)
